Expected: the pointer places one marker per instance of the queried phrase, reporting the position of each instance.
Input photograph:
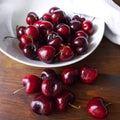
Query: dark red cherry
(81, 33)
(32, 83)
(51, 10)
(97, 108)
(31, 18)
(69, 75)
(64, 100)
(75, 25)
(88, 27)
(54, 39)
(25, 40)
(46, 53)
(42, 105)
(58, 16)
(51, 87)
(64, 31)
(48, 73)
(65, 53)
(20, 31)
(80, 44)
(32, 32)
(45, 27)
(46, 16)
(77, 17)
(30, 51)
(88, 74)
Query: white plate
(14, 12)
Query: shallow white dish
(13, 14)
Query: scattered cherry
(48, 73)
(97, 108)
(32, 83)
(88, 74)
(69, 75)
(42, 105)
(51, 87)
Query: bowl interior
(17, 15)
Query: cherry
(75, 25)
(47, 17)
(80, 44)
(54, 39)
(45, 27)
(46, 53)
(65, 53)
(88, 74)
(30, 51)
(48, 73)
(87, 26)
(51, 87)
(32, 32)
(25, 40)
(32, 83)
(31, 18)
(81, 33)
(64, 100)
(42, 105)
(58, 16)
(51, 10)
(63, 30)
(20, 31)
(76, 17)
(97, 108)
(69, 75)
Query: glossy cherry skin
(88, 27)
(48, 73)
(25, 40)
(88, 74)
(81, 33)
(76, 17)
(65, 53)
(20, 31)
(80, 44)
(96, 107)
(45, 27)
(75, 25)
(31, 18)
(63, 30)
(30, 51)
(58, 16)
(46, 53)
(42, 105)
(69, 75)
(63, 100)
(32, 83)
(32, 32)
(51, 10)
(54, 39)
(46, 16)
(51, 87)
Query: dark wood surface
(106, 58)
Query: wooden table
(106, 58)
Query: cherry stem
(92, 19)
(16, 91)
(108, 104)
(73, 106)
(10, 37)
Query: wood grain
(106, 58)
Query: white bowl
(13, 14)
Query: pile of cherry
(53, 93)
(55, 36)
